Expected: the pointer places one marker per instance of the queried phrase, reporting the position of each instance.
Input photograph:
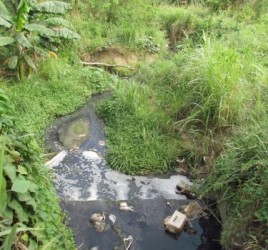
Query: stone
(97, 217)
(175, 223)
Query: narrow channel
(87, 185)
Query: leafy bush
(30, 215)
(30, 29)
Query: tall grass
(139, 138)
(215, 81)
(240, 180)
(120, 23)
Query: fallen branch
(99, 64)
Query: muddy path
(87, 185)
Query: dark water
(145, 224)
(87, 185)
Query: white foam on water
(92, 179)
(91, 155)
(117, 182)
(167, 186)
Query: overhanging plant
(30, 29)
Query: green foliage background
(204, 94)
(28, 202)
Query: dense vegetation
(201, 94)
(29, 208)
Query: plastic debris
(112, 218)
(124, 206)
(128, 242)
(169, 205)
(55, 161)
(185, 189)
(175, 223)
(194, 210)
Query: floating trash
(128, 242)
(175, 223)
(124, 206)
(112, 218)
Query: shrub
(30, 215)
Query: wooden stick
(105, 65)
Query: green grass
(57, 89)
(121, 23)
(139, 138)
(28, 200)
(240, 180)
(212, 88)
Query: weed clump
(30, 215)
(139, 140)
(240, 175)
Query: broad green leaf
(55, 7)
(4, 13)
(25, 197)
(29, 61)
(6, 40)
(12, 62)
(6, 213)
(33, 187)
(58, 21)
(10, 171)
(22, 14)
(22, 215)
(4, 22)
(40, 51)
(20, 186)
(22, 40)
(22, 170)
(33, 245)
(32, 203)
(67, 33)
(21, 3)
(41, 29)
(48, 45)
(28, 198)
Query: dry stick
(105, 65)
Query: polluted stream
(131, 209)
